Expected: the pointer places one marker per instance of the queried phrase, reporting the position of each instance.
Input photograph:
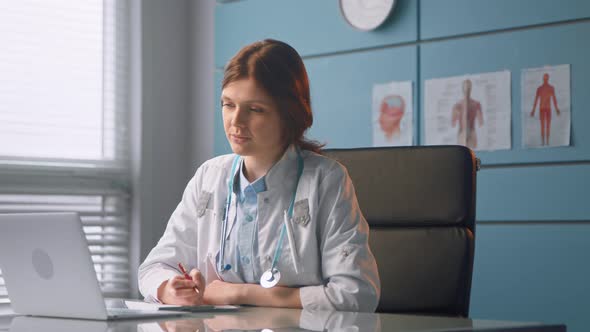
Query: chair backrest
(420, 205)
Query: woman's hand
(219, 293)
(181, 291)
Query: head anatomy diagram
(390, 114)
(278, 69)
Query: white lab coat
(326, 242)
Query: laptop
(48, 270)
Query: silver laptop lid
(47, 266)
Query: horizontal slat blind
(104, 219)
(63, 82)
(64, 122)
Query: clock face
(366, 14)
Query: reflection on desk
(29, 324)
(276, 319)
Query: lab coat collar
(284, 170)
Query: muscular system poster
(470, 110)
(546, 117)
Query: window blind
(104, 215)
(64, 122)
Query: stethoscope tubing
(288, 216)
(221, 267)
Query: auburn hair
(279, 70)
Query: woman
(289, 216)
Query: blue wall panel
(533, 218)
(310, 26)
(341, 92)
(515, 51)
(456, 17)
(532, 273)
(537, 193)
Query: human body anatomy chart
(392, 114)
(546, 117)
(470, 110)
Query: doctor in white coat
(274, 224)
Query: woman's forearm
(285, 297)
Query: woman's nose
(240, 116)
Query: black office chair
(420, 206)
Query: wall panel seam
(439, 39)
(537, 164)
(506, 30)
(530, 222)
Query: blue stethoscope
(271, 276)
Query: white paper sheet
(470, 110)
(546, 116)
(148, 306)
(393, 118)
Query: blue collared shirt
(246, 241)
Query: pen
(186, 276)
(182, 269)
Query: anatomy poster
(470, 110)
(392, 114)
(546, 117)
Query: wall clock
(366, 15)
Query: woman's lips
(239, 139)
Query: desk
(271, 319)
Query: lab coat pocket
(293, 248)
(203, 203)
(301, 212)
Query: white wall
(203, 79)
(173, 97)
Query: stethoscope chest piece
(270, 278)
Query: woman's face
(251, 120)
